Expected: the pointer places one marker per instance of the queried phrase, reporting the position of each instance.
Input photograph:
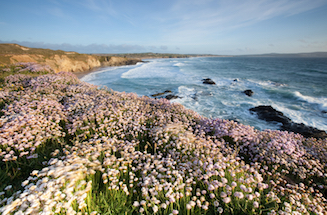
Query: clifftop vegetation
(68, 147)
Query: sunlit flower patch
(95, 151)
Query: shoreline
(295, 127)
(80, 75)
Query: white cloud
(164, 47)
(58, 12)
(195, 19)
(105, 7)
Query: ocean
(295, 86)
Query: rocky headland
(269, 114)
(59, 60)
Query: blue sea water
(295, 86)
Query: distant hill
(304, 55)
(157, 55)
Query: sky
(226, 27)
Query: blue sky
(167, 26)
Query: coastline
(237, 88)
(80, 75)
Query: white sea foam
(320, 102)
(266, 83)
(179, 64)
(155, 69)
(92, 75)
(303, 116)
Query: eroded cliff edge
(59, 60)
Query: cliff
(59, 60)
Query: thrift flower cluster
(118, 153)
(29, 67)
(33, 67)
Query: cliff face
(59, 60)
(118, 61)
(63, 63)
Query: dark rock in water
(270, 114)
(248, 92)
(160, 94)
(235, 80)
(234, 119)
(194, 96)
(306, 131)
(157, 94)
(170, 97)
(208, 81)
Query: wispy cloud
(164, 47)
(104, 7)
(197, 18)
(58, 12)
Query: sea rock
(208, 81)
(248, 92)
(170, 97)
(160, 94)
(306, 131)
(269, 114)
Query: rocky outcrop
(269, 114)
(170, 97)
(248, 92)
(162, 95)
(306, 131)
(118, 61)
(208, 81)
